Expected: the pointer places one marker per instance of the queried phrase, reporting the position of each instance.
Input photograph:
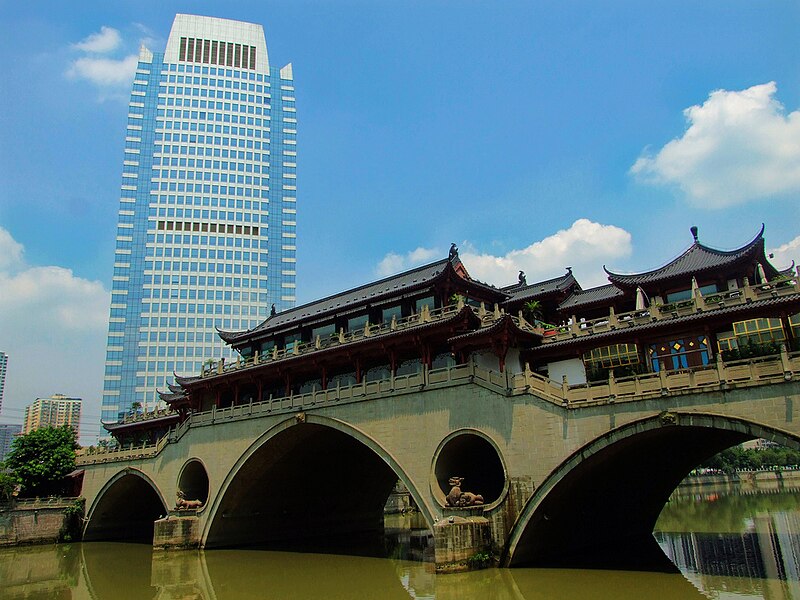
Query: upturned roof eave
(662, 274)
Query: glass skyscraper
(206, 234)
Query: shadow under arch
(599, 507)
(125, 509)
(305, 482)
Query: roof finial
(693, 229)
(522, 280)
(453, 251)
(272, 311)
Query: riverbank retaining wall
(33, 522)
(743, 481)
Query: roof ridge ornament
(693, 229)
(453, 252)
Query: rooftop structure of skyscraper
(206, 237)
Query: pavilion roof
(519, 293)
(698, 259)
(385, 289)
(597, 295)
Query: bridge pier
(462, 544)
(177, 532)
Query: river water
(726, 545)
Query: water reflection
(726, 547)
(752, 542)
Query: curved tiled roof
(697, 259)
(386, 288)
(519, 292)
(582, 298)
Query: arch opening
(472, 457)
(125, 511)
(308, 487)
(193, 481)
(598, 510)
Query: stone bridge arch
(599, 507)
(307, 477)
(125, 508)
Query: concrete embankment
(742, 482)
(36, 521)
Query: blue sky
(535, 135)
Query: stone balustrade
(720, 375)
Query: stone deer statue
(184, 504)
(458, 498)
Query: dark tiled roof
(505, 322)
(519, 293)
(414, 279)
(582, 298)
(695, 260)
(168, 418)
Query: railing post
(613, 321)
(662, 377)
(574, 327)
(612, 385)
(221, 366)
(720, 368)
(527, 374)
(786, 363)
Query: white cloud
(105, 72)
(53, 326)
(585, 246)
(106, 40)
(101, 64)
(10, 250)
(786, 253)
(395, 263)
(739, 146)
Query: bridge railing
(762, 370)
(102, 454)
(718, 375)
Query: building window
(429, 302)
(388, 313)
(357, 323)
(755, 332)
(323, 332)
(609, 357)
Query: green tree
(532, 311)
(8, 482)
(39, 460)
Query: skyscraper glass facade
(206, 236)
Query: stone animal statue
(458, 498)
(470, 499)
(184, 504)
(455, 491)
